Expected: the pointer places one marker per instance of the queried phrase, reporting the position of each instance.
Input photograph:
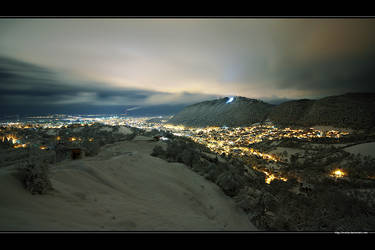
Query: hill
(352, 110)
(122, 188)
(228, 111)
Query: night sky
(121, 65)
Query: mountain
(352, 110)
(228, 111)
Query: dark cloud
(327, 77)
(25, 87)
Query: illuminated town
(225, 141)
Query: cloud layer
(24, 85)
(139, 62)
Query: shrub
(187, 157)
(213, 171)
(200, 167)
(92, 148)
(248, 199)
(158, 151)
(230, 182)
(35, 177)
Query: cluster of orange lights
(10, 137)
(338, 173)
(270, 177)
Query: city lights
(338, 173)
(229, 141)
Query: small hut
(73, 153)
(76, 153)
